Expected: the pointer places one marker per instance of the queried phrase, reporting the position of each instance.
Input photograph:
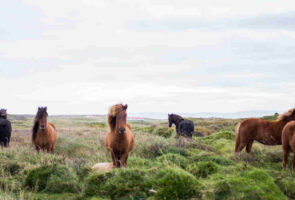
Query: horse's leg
(241, 147)
(249, 146)
(293, 163)
(286, 155)
(124, 159)
(115, 160)
(37, 147)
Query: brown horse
(288, 143)
(265, 132)
(119, 141)
(44, 134)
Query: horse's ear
(125, 107)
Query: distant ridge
(234, 115)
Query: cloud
(168, 56)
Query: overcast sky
(82, 56)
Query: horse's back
(52, 133)
(130, 138)
(52, 125)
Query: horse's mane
(178, 116)
(286, 114)
(41, 112)
(35, 130)
(113, 113)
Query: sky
(82, 56)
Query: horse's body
(183, 127)
(119, 141)
(44, 134)
(288, 143)
(263, 131)
(5, 132)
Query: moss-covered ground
(160, 167)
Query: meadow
(160, 167)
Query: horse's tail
(34, 131)
(237, 136)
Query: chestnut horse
(265, 132)
(119, 141)
(44, 134)
(288, 143)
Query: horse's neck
(279, 125)
(177, 120)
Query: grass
(160, 167)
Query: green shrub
(38, 177)
(211, 157)
(55, 178)
(164, 132)
(118, 183)
(173, 159)
(229, 135)
(140, 163)
(95, 182)
(203, 169)
(252, 184)
(286, 183)
(177, 150)
(175, 183)
(12, 167)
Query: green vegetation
(160, 167)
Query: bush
(203, 169)
(175, 183)
(140, 162)
(55, 178)
(164, 132)
(211, 157)
(173, 159)
(118, 183)
(286, 183)
(220, 135)
(12, 167)
(253, 184)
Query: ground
(160, 167)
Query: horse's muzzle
(121, 130)
(42, 127)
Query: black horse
(3, 113)
(183, 127)
(5, 129)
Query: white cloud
(97, 59)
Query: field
(160, 167)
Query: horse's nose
(122, 130)
(42, 127)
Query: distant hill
(234, 115)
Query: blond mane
(112, 114)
